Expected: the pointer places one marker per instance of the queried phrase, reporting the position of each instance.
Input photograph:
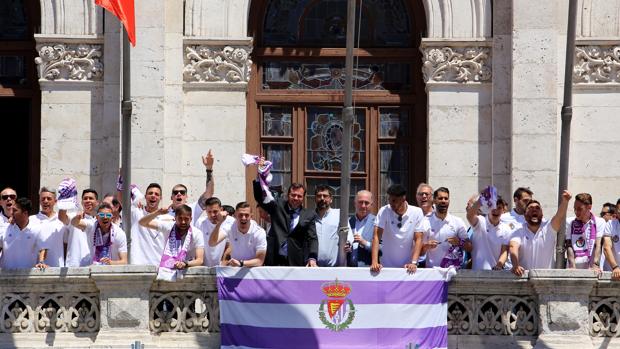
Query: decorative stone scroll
(184, 312)
(457, 64)
(596, 65)
(50, 312)
(73, 62)
(217, 64)
(495, 315)
(604, 316)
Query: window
(296, 95)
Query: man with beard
(52, 229)
(107, 241)
(401, 227)
(490, 236)
(21, 244)
(583, 235)
(327, 221)
(362, 225)
(213, 207)
(247, 239)
(447, 238)
(515, 219)
(78, 246)
(424, 198)
(7, 200)
(533, 245)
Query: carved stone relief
(597, 64)
(604, 316)
(457, 64)
(184, 312)
(223, 64)
(75, 62)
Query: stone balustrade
(117, 306)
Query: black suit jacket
(302, 242)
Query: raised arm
(216, 236)
(207, 161)
(63, 217)
(147, 221)
(560, 215)
(78, 221)
(517, 269)
(473, 205)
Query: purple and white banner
(281, 307)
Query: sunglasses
(9, 196)
(400, 221)
(182, 192)
(104, 215)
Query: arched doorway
(296, 93)
(20, 97)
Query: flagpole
(126, 110)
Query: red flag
(124, 11)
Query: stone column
(124, 298)
(563, 297)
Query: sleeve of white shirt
(608, 228)
(164, 227)
(121, 239)
(199, 241)
(516, 237)
(196, 211)
(88, 224)
(461, 231)
(261, 243)
(600, 227)
(41, 244)
(381, 218)
(420, 227)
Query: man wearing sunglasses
(7, 200)
(52, 228)
(21, 244)
(107, 241)
(401, 228)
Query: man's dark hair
(611, 207)
(179, 185)
(295, 186)
(322, 187)
(242, 204)
(213, 201)
(532, 202)
(24, 204)
(397, 190)
(584, 198)
(501, 202)
(618, 202)
(229, 209)
(104, 205)
(89, 190)
(440, 190)
(154, 185)
(183, 209)
(520, 191)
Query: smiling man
(490, 236)
(107, 241)
(78, 246)
(583, 235)
(7, 200)
(21, 245)
(52, 229)
(147, 244)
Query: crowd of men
(401, 235)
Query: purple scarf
(102, 243)
(577, 227)
(176, 248)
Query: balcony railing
(116, 306)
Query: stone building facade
(482, 106)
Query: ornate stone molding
(457, 64)
(598, 64)
(69, 62)
(217, 64)
(184, 312)
(447, 19)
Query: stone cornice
(456, 61)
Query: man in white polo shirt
(327, 221)
(401, 227)
(447, 238)
(583, 235)
(515, 219)
(21, 244)
(78, 246)
(107, 242)
(247, 239)
(490, 236)
(611, 247)
(52, 229)
(533, 245)
(206, 224)
(147, 244)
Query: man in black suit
(292, 239)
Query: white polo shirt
(147, 245)
(20, 247)
(612, 230)
(245, 246)
(78, 247)
(327, 235)
(53, 236)
(398, 243)
(536, 250)
(441, 230)
(512, 219)
(165, 227)
(119, 240)
(213, 255)
(487, 240)
(579, 242)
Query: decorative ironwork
(331, 76)
(325, 134)
(597, 64)
(50, 312)
(604, 316)
(184, 312)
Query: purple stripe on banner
(286, 338)
(309, 291)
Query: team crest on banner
(340, 311)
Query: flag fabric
(124, 11)
(282, 307)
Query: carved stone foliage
(184, 312)
(597, 64)
(50, 312)
(79, 62)
(224, 64)
(457, 64)
(604, 316)
(492, 315)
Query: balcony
(117, 306)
